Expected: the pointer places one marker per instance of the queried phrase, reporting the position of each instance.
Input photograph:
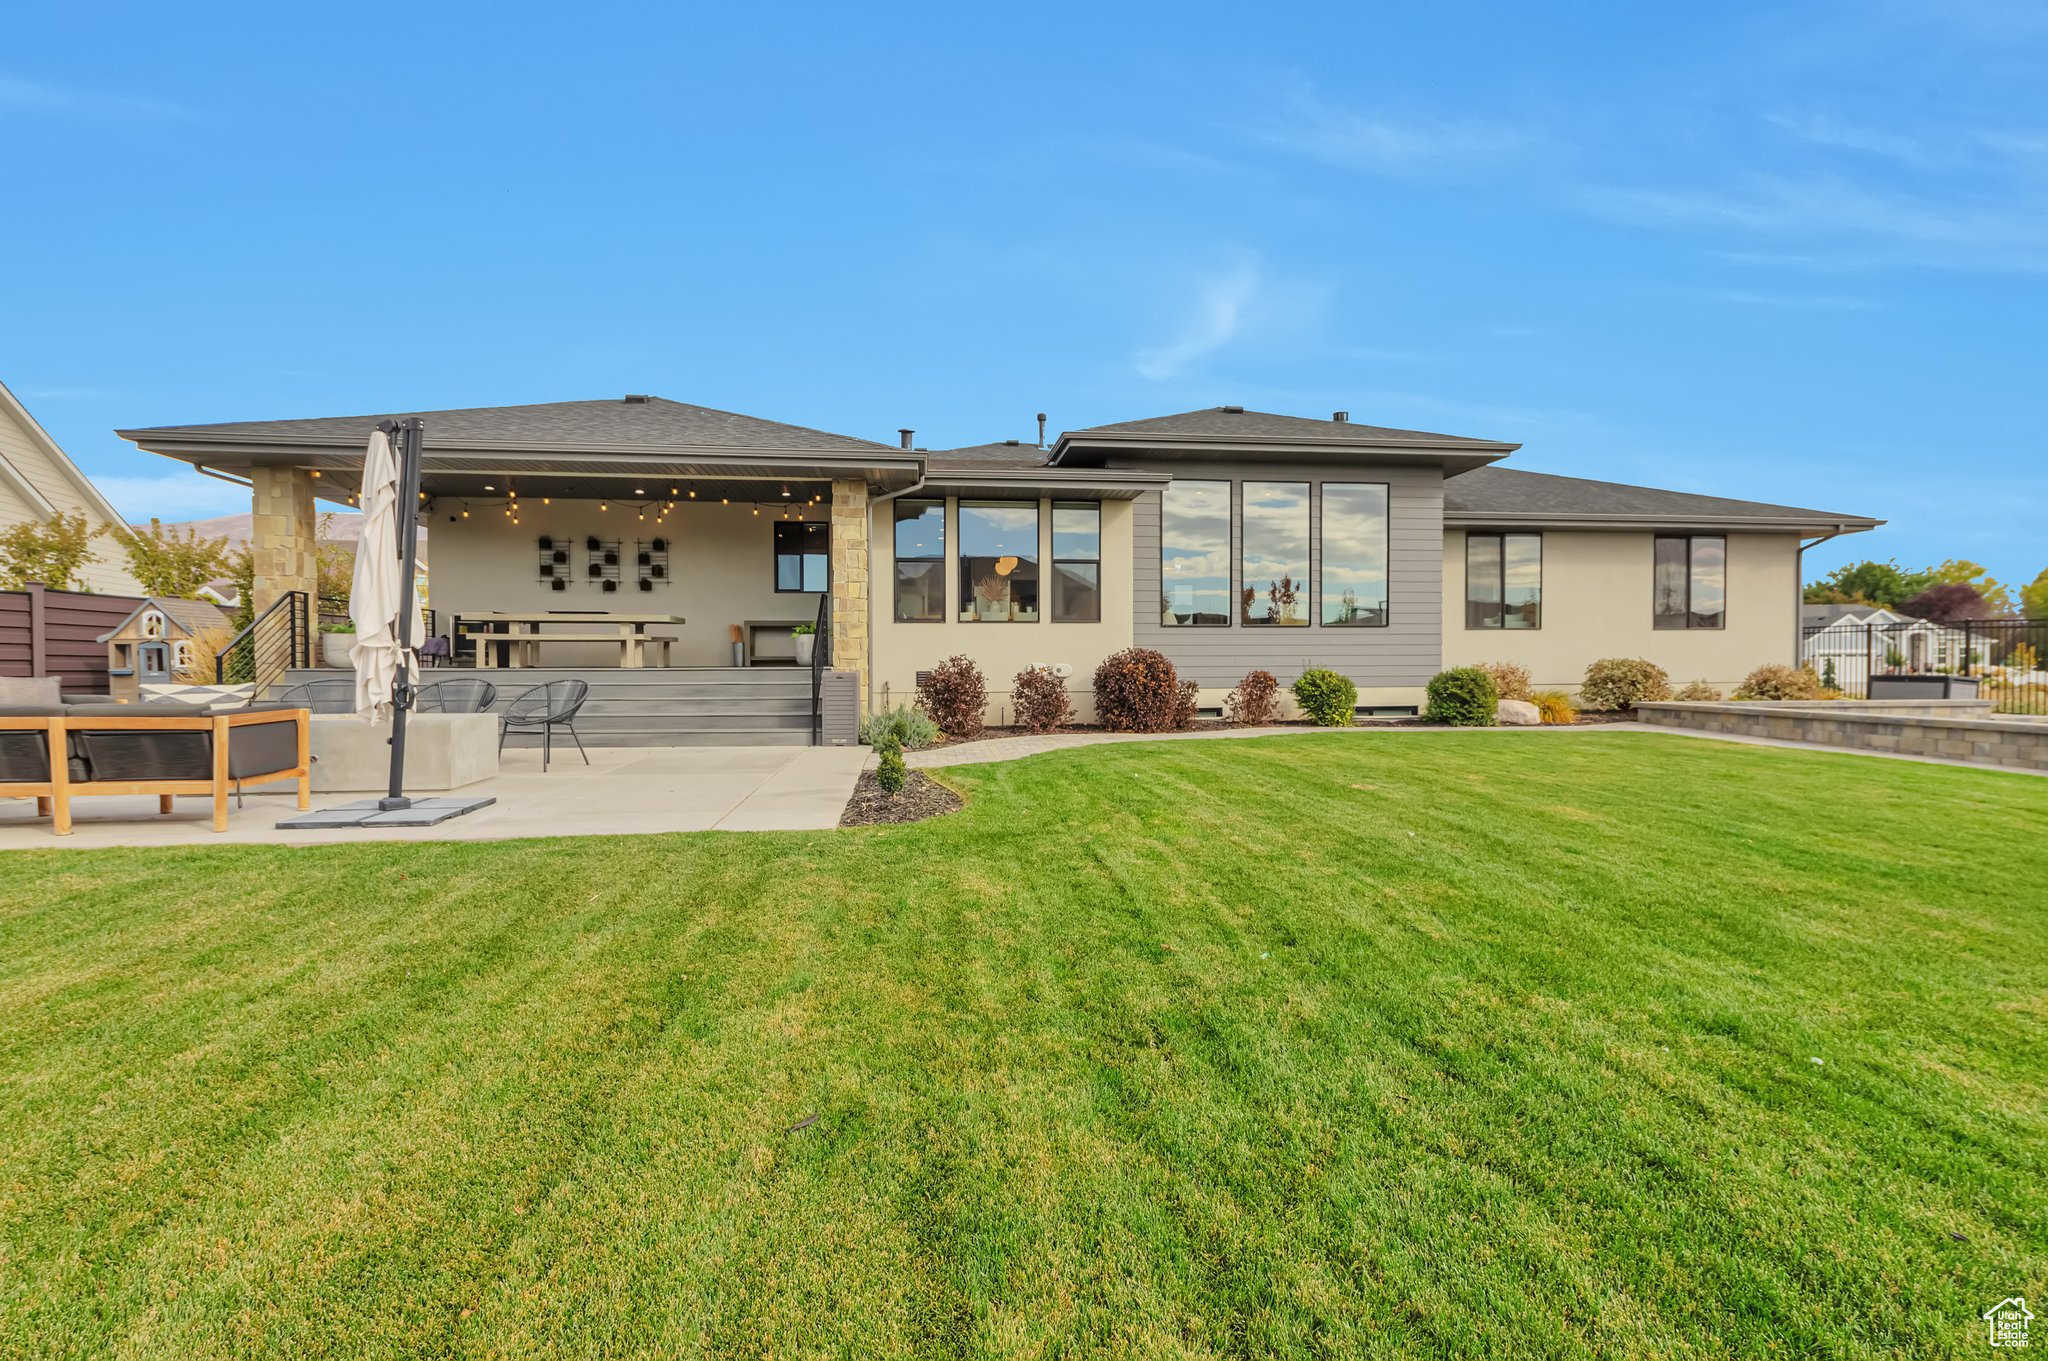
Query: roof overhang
(451, 467)
(1084, 448)
(1028, 484)
(1749, 524)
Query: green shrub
(1623, 683)
(890, 773)
(1328, 699)
(909, 728)
(1510, 681)
(1463, 697)
(1776, 681)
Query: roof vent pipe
(1340, 417)
(1041, 429)
(906, 433)
(636, 399)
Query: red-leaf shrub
(1947, 603)
(1256, 700)
(1041, 700)
(1137, 690)
(954, 696)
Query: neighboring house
(1855, 639)
(1228, 539)
(38, 480)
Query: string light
(547, 500)
(315, 472)
(693, 493)
(603, 505)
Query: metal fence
(2008, 657)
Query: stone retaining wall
(1953, 729)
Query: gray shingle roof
(656, 423)
(1000, 454)
(1512, 492)
(1223, 422)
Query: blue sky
(1793, 253)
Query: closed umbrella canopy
(376, 591)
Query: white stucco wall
(1597, 603)
(721, 564)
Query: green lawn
(1349, 1045)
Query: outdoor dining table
(521, 639)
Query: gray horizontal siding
(1407, 652)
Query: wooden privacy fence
(56, 633)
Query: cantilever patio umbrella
(378, 590)
(386, 611)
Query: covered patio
(632, 533)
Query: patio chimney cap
(906, 432)
(637, 399)
(1340, 417)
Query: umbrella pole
(410, 432)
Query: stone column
(283, 534)
(850, 580)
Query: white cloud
(37, 97)
(1794, 301)
(174, 496)
(1823, 131)
(1221, 305)
(1357, 140)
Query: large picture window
(999, 562)
(1194, 554)
(1354, 584)
(921, 561)
(1076, 562)
(1275, 555)
(801, 555)
(1690, 587)
(1503, 581)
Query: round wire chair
(543, 709)
(466, 696)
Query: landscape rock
(1517, 713)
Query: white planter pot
(334, 649)
(805, 644)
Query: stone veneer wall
(1953, 729)
(850, 580)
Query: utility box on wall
(839, 708)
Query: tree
(2034, 597)
(1950, 602)
(53, 551)
(1996, 598)
(1868, 583)
(170, 564)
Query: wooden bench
(632, 647)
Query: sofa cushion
(168, 708)
(142, 754)
(33, 710)
(262, 749)
(31, 690)
(24, 756)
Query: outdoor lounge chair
(331, 696)
(455, 697)
(545, 708)
(52, 753)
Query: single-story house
(1228, 539)
(38, 480)
(1852, 641)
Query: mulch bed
(922, 797)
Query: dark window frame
(1310, 505)
(961, 556)
(1047, 586)
(1231, 531)
(1684, 620)
(1319, 552)
(1500, 538)
(896, 560)
(776, 554)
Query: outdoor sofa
(53, 752)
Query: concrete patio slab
(623, 791)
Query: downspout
(873, 593)
(1799, 595)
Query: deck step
(654, 706)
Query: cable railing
(278, 640)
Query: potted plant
(806, 641)
(335, 642)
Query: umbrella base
(367, 813)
